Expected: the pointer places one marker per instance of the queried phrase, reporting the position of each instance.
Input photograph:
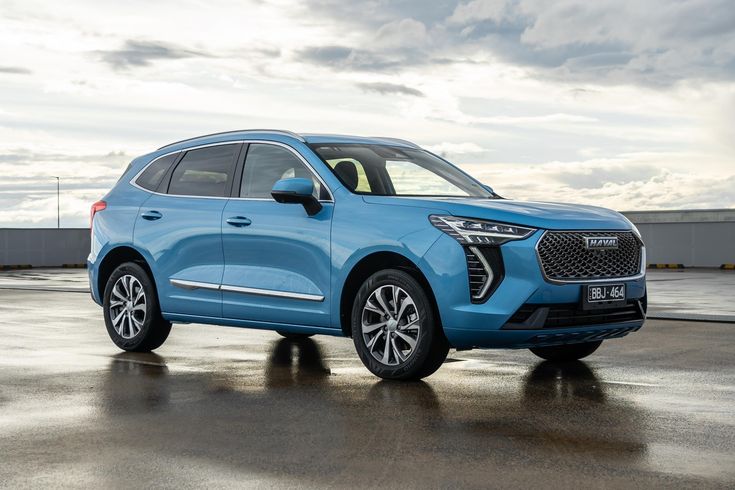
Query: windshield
(390, 171)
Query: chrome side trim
(488, 269)
(271, 292)
(191, 285)
(642, 272)
(234, 142)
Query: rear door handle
(151, 215)
(238, 221)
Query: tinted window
(409, 178)
(354, 176)
(267, 164)
(392, 171)
(152, 176)
(204, 172)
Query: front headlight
(478, 232)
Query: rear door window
(205, 172)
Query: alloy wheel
(390, 325)
(128, 306)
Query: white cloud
(404, 33)
(623, 182)
(479, 10)
(655, 42)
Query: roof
(344, 138)
(285, 136)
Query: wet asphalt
(228, 407)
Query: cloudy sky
(621, 103)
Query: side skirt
(232, 322)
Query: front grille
(564, 256)
(531, 316)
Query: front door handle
(238, 221)
(151, 215)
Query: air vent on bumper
(485, 271)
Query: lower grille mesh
(571, 315)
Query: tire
(133, 321)
(293, 336)
(416, 324)
(566, 353)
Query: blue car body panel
(186, 245)
(283, 249)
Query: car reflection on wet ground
(229, 407)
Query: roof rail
(398, 140)
(276, 131)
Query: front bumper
(468, 325)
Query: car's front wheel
(394, 327)
(131, 310)
(566, 353)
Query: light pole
(58, 212)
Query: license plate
(599, 296)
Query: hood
(544, 215)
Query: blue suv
(370, 238)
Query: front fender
(405, 231)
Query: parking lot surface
(231, 407)
(694, 294)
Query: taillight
(96, 208)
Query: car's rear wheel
(566, 353)
(132, 315)
(394, 327)
(293, 336)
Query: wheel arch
(115, 257)
(366, 267)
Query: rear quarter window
(152, 176)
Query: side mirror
(297, 191)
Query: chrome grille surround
(564, 258)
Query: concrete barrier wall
(43, 247)
(692, 238)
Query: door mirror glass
(297, 191)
